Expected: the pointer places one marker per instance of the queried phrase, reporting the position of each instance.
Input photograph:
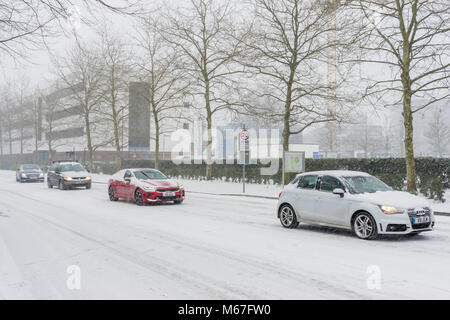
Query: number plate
(418, 220)
(168, 194)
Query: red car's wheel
(138, 199)
(111, 194)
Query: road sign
(244, 148)
(244, 135)
(244, 157)
(294, 161)
(244, 141)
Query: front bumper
(403, 224)
(32, 178)
(77, 182)
(156, 196)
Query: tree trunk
(409, 147)
(10, 139)
(209, 128)
(1, 147)
(89, 143)
(50, 156)
(116, 136)
(156, 141)
(286, 120)
(286, 135)
(117, 144)
(408, 119)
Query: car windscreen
(71, 167)
(363, 184)
(149, 174)
(30, 167)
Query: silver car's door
(304, 197)
(331, 208)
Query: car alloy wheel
(287, 217)
(364, 226)
(138, 198)
(112, 196)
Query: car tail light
(279, 195)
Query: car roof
(336, 173)
(67, 162)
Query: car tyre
(288, 218)
(111, 194)
(178, 201)
(88, 186)
(61, 185)
(50, 186)
(138, 199)
(364, 226)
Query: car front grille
(167, 190)
(419, 212)
(167, 198)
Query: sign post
(244, 147)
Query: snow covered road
(210, 247)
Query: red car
(144, 186)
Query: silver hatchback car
(352, 200)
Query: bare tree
(411, 39)
(204, 34)
(81, 72)
(49, 108)
(161, 67)
(27, 24)
(438, 133)
(287, 53)
(116, 69)
(23, 112)
(7, 112)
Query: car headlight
(41, 174)
(88, 178)
(181, 186)
(391, 210)
(23, 175)
(68, 178)
(148, 188)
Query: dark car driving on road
(29, 172)
(68, 175)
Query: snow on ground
(209, 247)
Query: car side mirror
(339, 191)
(127, 179)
